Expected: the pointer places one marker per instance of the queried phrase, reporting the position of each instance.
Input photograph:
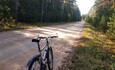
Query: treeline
(38, 11)
(102, 16)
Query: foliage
(102, 16)
(102, 24)
(6, 16)
(111, 27)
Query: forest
(13, 11)
(102, 16)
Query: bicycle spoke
(36, 66)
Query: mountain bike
(44, 59)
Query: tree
(111, 27)
(16, 10)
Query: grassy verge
(95, 51)
(14, 26)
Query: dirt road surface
(16, 47)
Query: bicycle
(44, 59)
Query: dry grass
(16, 26)
(95, 51)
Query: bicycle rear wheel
(35, 65)
(50, 59)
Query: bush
(111, 27)
(103, 24)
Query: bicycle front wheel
(35, 65)
(50, 59)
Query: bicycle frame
(47, 44)
(44, 50)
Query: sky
(85, 5)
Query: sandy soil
(16, 47)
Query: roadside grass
(94, 51)
(16, 26)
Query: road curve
(16, 47)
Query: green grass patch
(95, 51)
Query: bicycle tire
(34, 62)
(50, 59)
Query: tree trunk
(16, 10)
(42, 11)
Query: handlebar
(39, 38)
(52, 37)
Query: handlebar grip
(35, 40)
(54, 36)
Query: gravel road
(16, 47)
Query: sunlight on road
(64, 33)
